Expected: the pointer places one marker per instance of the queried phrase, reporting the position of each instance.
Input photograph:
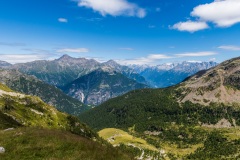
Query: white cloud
(196, 54)
(22, 58)
(62, 20)
(158, 56)
(231, 48)
(190, 26)
(194, 61)
(150, 59)
(113, 7)
(73, 50)
(224, 13)
(153, 59)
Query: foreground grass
(35, 143)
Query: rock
(2, 150)
(9, 129)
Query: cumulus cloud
(62, 20)
(73, 50)
(230, 47)
(190, 26)
(224, 13)
(113, 7)
(196, 54)
(22, 58)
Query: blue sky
(130, 32)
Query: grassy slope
(47, 133)
(117, 136)
(35, 143)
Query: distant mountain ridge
(169, 74)
(100, 85)
(60, 71)
(4, 64)
(67, 70)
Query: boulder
(2, 150)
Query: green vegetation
(117, 136)
(49, 94)
(182, 129)
(39, 143)
(22, 110)
(31, 129)
(5, 88)
(156, 109)
(217, 146)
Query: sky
(128, 31)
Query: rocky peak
(113, 64)
(65, 57)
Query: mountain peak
(65, 57)
(111, 63)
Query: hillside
(49, 94)
(36, 143)
(220, 84)
(181, 126)
(99, 86)
(31, 129)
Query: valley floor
(222, 143)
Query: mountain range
(169, 74)
(192, 120)
(195, 119)
(99, 86)
(66, 72)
